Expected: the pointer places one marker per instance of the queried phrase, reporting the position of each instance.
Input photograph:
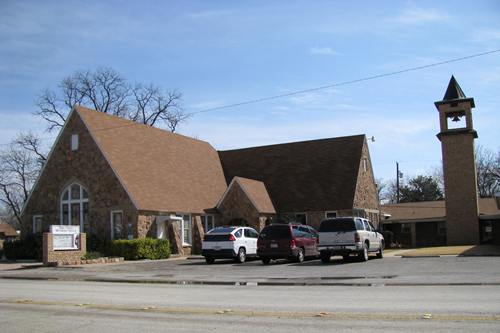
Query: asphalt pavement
(76, 306)
(393, 271)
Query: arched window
(75, 207)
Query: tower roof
(454, 91)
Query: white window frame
(301, 213)
(190, 234)
(70, 201)
(74, 142)
(205, 225)
(33, 223)
(329, 212)
(111, 222)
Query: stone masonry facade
(87, 167)
(237, 206)
(460, 189)
(366, 201)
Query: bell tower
(459, 166)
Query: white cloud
(323, 51)
(415, 16)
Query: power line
(344, 83)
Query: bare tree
(153, 107)
(488, 172)
(381, 187)
(33, 144)
(388, 194)
(107, 91)
(19, 168)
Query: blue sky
(224, 52)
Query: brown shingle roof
(301, 176)
(432, 209)
(257, 193)
(160, 170)
(7, 230)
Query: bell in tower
(459, 167)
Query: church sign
(65, 237)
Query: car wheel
(380, 253)
(209, 260)
(363, 254)
(266, 261)
(325, 257)
(242, 255)
(300, 255)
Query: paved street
(387, 271)
(390, 295)
(61, 306)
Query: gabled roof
(7, 230)
(161, 171)
(256, 193)
(432, 209)
(301, 176)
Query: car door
(376, 240)
(251, 241)
(310, 242)
(367, 234)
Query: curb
(256, 283)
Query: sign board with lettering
(65, 237)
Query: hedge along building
(120, 179)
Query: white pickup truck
(347, 235)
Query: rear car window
(222, 230)
(336, 225)
(276, 232)
(216, 237)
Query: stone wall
(460, 188)
(366, 196)
(62, 257)
(174, 236)
(146, 226)
(88, 167)
(236, 205)
(198, 233)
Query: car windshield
(222, 230)
(276, 232)
(337, 225)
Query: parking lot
(386, 271)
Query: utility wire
(344, 83)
